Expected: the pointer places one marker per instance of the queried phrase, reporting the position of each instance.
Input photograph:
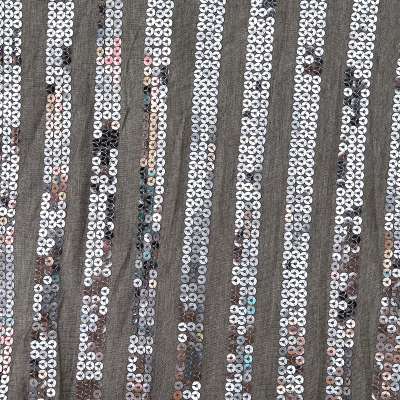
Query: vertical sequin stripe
(299, 192)
(199, 199)
(43, 346)
(386, 378)
(349, 200)
(10, 106)
(103, 181)
(156, 70)
(248, 194)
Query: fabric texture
(200, 369)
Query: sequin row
(152, 169)
(248, 194)
(349, 200)
(386, 380)
(103, 181)
(199, 199)
(10, 107)
(43, 354)
(299, 192)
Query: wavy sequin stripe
(43, 345)
(10, 106)
(156, 70)
(386, 378)
(103, 181)
(198, 204)
(299, 192)
(248, 194)
(345, 263)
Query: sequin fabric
(240, 133)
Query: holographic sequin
(345, 263)
(152, 169)
(386, 378)
(299, 197)
(248, 194)
(10, 107)
(43, 346)
(103, 181)
(199, 199)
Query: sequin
(103, 181)
(10, 115)
(299, 197)
(257, 77)
(155, 84)
(198, 204)
(345, 262)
